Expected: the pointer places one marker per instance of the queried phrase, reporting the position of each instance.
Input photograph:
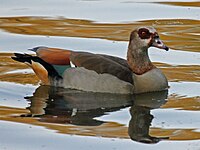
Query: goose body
(98, 72)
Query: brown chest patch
(141, 70)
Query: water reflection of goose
(141, 117)
(75, 107)
(58, 105)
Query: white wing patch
(71, 64)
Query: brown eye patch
(144, 33)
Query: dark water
(42, 117)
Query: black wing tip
(18, 59)
(19, 55)
(15, 58)
(22, 57)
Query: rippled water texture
(42, 117)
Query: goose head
(140, 40)
(144, 37)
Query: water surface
(42, 117)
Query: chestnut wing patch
(103, 64)
(53, 56)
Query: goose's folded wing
(103, 64)
(97, 62)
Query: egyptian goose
(99, 72)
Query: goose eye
(144, 33)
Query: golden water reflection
(181, 34)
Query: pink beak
(159, 44)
